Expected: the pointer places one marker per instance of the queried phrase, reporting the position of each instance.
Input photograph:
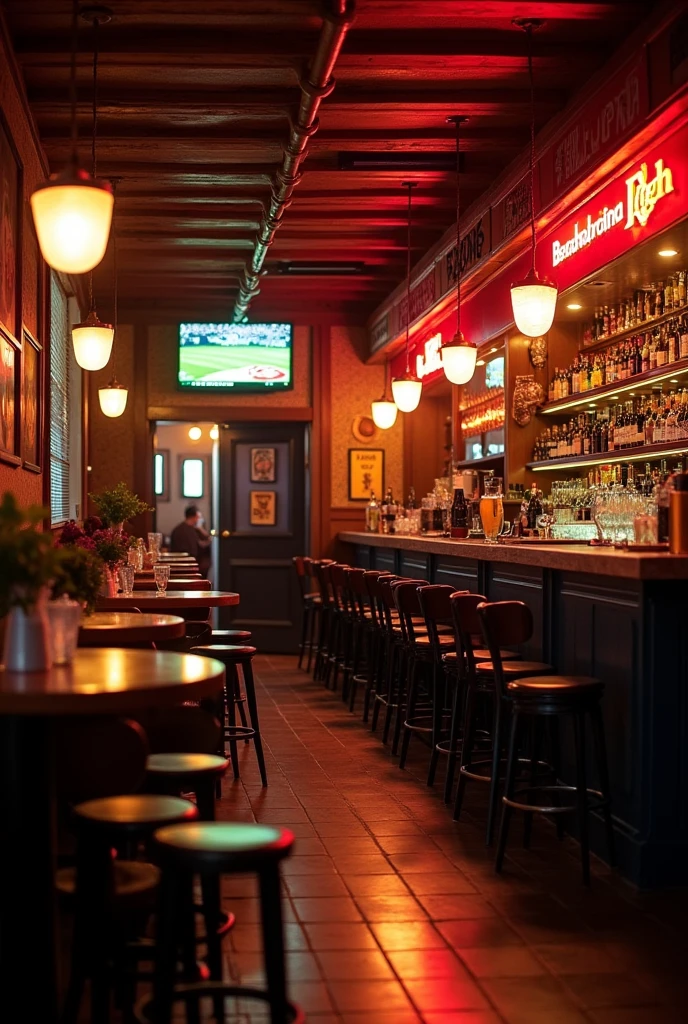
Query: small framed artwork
(366, 473)
(10, 232)
(31, 401)
(263, 466)
(263, 508)
(10, 353)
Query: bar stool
(376, 637)
(322, 576)
(213, 849)
(420, 653)
(545, 698)
(97, 881)
(310, 606)
(393, 659)
(360, 625)
(340, 646)
(235, 658)
(231, 636)
(481, 688)
(183, 759)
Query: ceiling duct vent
(332, 268)
(389, 161)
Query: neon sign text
(430, 361)
(640, 200)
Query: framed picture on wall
(31, 401)
(263, 508)
(10, 233)
(366, 473)
(10, 353)
(263, 466)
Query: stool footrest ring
(599, 800)
(239, 732)
(204, 990)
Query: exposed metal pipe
(315, 86)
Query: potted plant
(107, 543)
(118, 505)
(28, 559)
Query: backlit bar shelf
(641, 383)
(642, 453)
(633, 332)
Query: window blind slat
(59, 403)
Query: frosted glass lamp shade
(92, 342)
(458, 359)
(534, 301)
(407, 391)
(113, 399)
(384, 412)
(72, 213)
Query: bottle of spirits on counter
(459, 515)
(663, 502)
(411, 502)
(534, 508)
(372, 520)
(389, 512)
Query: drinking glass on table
(126, 579)
(492, 509)
(162, 578)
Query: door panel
(255, 557)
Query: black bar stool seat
(231, 636)
(514, 668)
(554, 687)
(213, 849)
(132, 880)
(235, 657)
(138, 813)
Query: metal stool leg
(582, 795)
(273, 944)
(247, 669)
(603, 773)
(511, 770)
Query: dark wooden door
(263, 523)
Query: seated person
(191, 536)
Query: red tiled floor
(394, 913)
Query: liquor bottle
(389, 512)
(658, 300)
(684, 336)
(606, 323)
(681, 287)
(645, 355)
(649, 303)
(411, 502)
(372, 515)
(534, 509)
(459, 515)
(663, 498)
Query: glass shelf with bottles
(660, 301)
(655, 355)
(626, 430)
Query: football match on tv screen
(240, 357)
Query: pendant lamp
(458, 355)
(407, 388)
(72, 210)
(384, 410)
(534, 299)
(92, 339)
(113, 398)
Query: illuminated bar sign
(644, 199)
(640, 200)
(429, 360)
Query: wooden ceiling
(195, 102)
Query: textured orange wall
(162, 375)
(111, 452)
(353, 387)
(27, 486)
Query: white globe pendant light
(384, 410)
(458, 355)
(92, 342)
(407, 388)
(534, 299)
(72, 210)
(113, 398)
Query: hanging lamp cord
(408, 276)
(529, 35)
(72, 83)
(94, 135)
(458, 228)
(116, 296)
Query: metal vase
(27, 640)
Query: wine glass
(162, 578)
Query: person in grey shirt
(191, 536)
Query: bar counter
(620, 616)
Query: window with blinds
(60, 447)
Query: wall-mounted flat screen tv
(235, 357)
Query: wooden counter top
(563, 557)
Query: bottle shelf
(641, 453)
(632, 332)
(478, 463)
(640, 383)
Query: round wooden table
(117, 629)
(100, 681)
(148, 600)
